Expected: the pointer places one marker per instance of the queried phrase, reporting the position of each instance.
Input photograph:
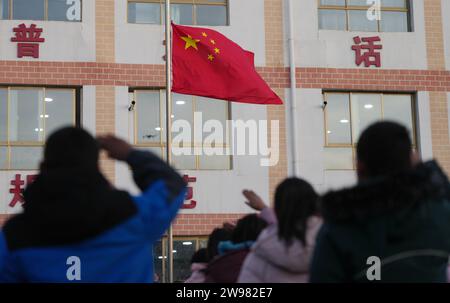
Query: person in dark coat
(226, 267)
(76, 227)
(394, 225)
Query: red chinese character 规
(17, 189)
(367, 52)
(189, 193)
(28, 38)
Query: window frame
(165, 249)
(10, 13)
(347, 8)
(162, 144)
(354, 142)
(76, 104)
(194, 10)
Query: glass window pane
(393, 3)
(148, 117)
(4, 9)
(182, 255)
(332, 19)
(398, 108)
(394, 21)
(333, 2)
(213, 109)
(338, 158)
(182, 109)
(338, 119)
(184, 161)
(214, 162)
(157, 261)
(366, 109)
(214, 15)
(3, 157)
(149, 13)
(357, 3)
(25, 110)
(26, 157)
(182, 13)
(3, 115)
(28, 9)
(63, 10)
(59, 110)
(358, 21)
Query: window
(183, 249)
(51, 10)
(27, 117)
(351, 15)
(187, 12)
(150, 133)
(348, 114)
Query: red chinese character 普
(366, 51)
(29, 39)
(189, 193)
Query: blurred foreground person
(199, 262)
(218, 235)
(225, 268)
(283, 251)
(394, 225)
(77, 228)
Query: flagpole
(169, 122)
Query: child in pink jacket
(284, 249)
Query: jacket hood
(378, 196)
(228, 246)
(66, 206)
(294, 258)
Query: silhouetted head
(200, 256)
(248, 229)
(383, 148)
(295, 201)
(217, 235)
(70, 147)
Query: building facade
(84, 62)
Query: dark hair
(200, 256)
(71, 147)
(217, 235)
(384, 148)
(248, 229)
(295, 201)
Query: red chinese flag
(206, 63)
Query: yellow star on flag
(210, 57)
(217, 51)
(204, 34)
(190, 42)
(213, 42)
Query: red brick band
(147, 75)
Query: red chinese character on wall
(190, 193)
(17, 188)
(29, 39)
(367, 52)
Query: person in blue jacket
(76, 227)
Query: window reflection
(28, 9)
(348, 114)
(338, 119)
(366, 109)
